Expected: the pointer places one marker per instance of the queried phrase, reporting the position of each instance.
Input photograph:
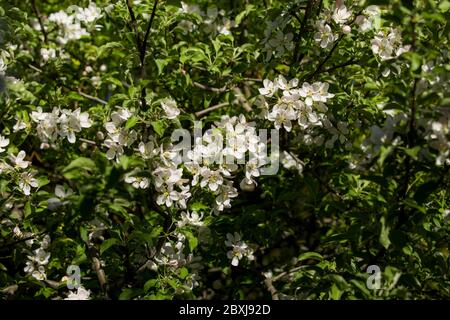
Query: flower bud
(346, 29)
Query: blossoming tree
(224, 149)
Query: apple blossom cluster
(275, 41)
(172, 257)
(218, 154)
(387, 44)
(62, 123)
(118, 136)
(325, 35)
(438, 137)
(60, 199)
(239, 249)
(70, 27)
(340, 20)
(15, 168)
(365, 20)
(291, 162)
(378, 137)
(80, 294)
(214, 20)
(2, 67)
(38, 258)
(305, 104)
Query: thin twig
(208, 88)
(88, 96)
(39, 17)
(210, 109)
(134, 25)
(144, 43)
(301, 32)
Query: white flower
(41, 257)
(48, 54)
(72, 122)
(211, 178)
(269, 88)
(89, 14)
(2, 66)
(170, 108)
(291, 162)
(81, 294)
(19, 125)
(60, 18)
(239, 249)
(388, 45)
(147, 150)
(223, 200)
(167, 196)
(281, 117)
(115, 150)
(3, 143)
(61, 193)
(39, 273)
(138, 182)
(27, 181)
(18, 160)
(286, 86)
(168, 176)
(120, 115)
(341, 14)
(193, 219)
(324, 35)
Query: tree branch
(301, 32)
(208, 88)
(39, 17)
(210, 109)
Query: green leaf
(193, 241)
(130, 293)
(384, 153)
(108, 243)
(412, 152)
(310, 255)
(150, 284)
(159, 127)
(184, 273)
(80, 163)
(131, 122)
(161, 64)
(444, 6)
(412, 204)
(384, 234)
(27, 210)
(84, 234)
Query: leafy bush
(224, 149)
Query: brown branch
(330, 53)
(210, 109)
(97, 267)
(272, 290)
(144, 43)
(39, 17)
(321, 64)
(142, 46)
(88, 96)
(134, 25)
(352, 61)
(208, 88)
(301, 32)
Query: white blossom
(4, 142)
(81, 294)
(170, 108)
